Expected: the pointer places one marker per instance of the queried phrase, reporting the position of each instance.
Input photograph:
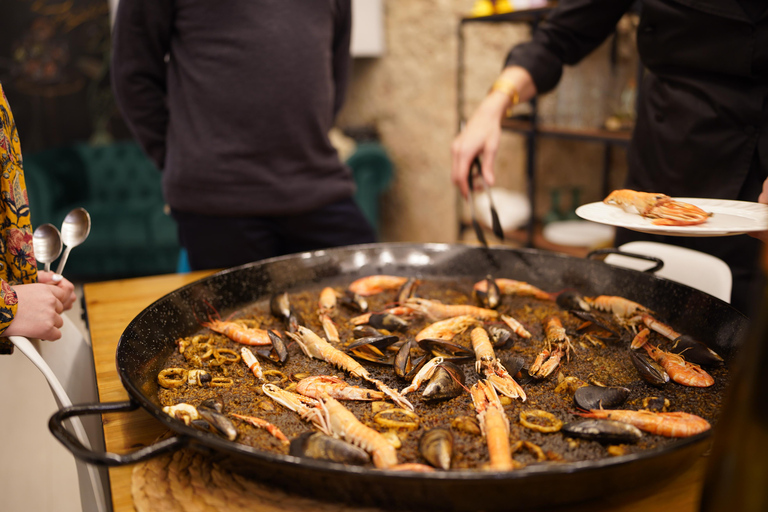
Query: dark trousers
(222, 242)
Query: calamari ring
(221, 382)
(533, 449)
(383, 419)
(172, 377)
(226, 355)
(281, 377)
(551, 423)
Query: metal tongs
(475, 168)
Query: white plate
(728, 218)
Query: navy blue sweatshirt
(233, 100)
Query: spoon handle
(47, 267)
(64, 257)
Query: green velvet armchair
(131, 234)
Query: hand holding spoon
(46, 241)
(74, 230)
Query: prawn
(436, 310)
(316, 347)
(371, 285)
(679, 370)
(488, 365)
(318, 386)
(664, 210)
(667, 424)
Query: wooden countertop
(112, 305)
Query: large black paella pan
(150, 339)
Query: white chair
(687, 266)
(67, 365)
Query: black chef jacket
(702, 118)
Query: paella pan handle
(76, 447)
(602, 253)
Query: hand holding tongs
(496, 224)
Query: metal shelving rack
(528, 125)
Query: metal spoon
(46, 241)
(74, 230)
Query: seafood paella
(436, 374)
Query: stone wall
(410, 96)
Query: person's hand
(53, 278)
(763, 198)
(480, 136)
(38, 314)
(482, 133)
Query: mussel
(595, 321)
(280, 306)
(695, 351)
(353, 301)
(648, 369)
(408, 290)
(374, 349)
(436, 446)
(409, 360)
(491, 296)
(277, 352)
(499, 335)
(387, 321)
(365, 331)
(448, 381)
(513, 364)
(598, 397)
(446, 349)
(606, 431)
(211, 410)
(320, 446)
(571, 300)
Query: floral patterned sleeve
(17, 258)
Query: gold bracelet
(510, 90)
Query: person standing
(31, 302)
(702, 122)
(233, 101)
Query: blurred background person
(233, 103)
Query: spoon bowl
(74, 230)
(46, 241)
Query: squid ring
(172, 377)
(533, 449)
(221, 382)
(208, 353)
(550, 424)
(281, 377)
(386, 418)
(226, 355)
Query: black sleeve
(570, 32)
(341, 59)
(140, 44)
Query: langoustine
(664, 210)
